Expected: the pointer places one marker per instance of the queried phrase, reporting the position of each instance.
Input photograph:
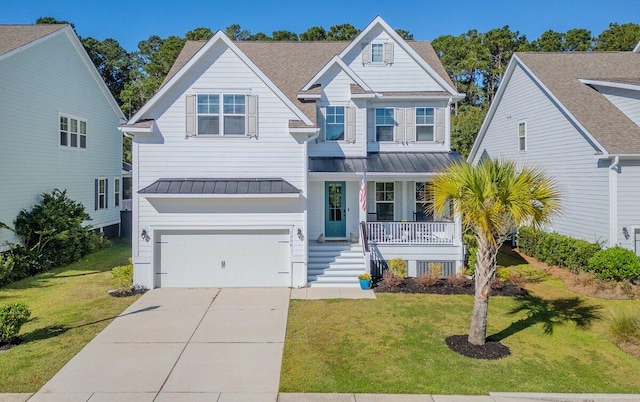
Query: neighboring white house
(577, 116)
(251, 153)
(58, 126)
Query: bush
(457, 280)
(615, 263)
(6, 268)
(51, 234)
(391, 279)
(556, 249)
(123, 275)
(12, 317)
(428, 279)
(399, 267)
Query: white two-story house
(249, 163)
(58, 127)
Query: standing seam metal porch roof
(209, 186)
(385, 162)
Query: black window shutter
(97, 196)
(106, 193)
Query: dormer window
(334, 124)
(377, 52)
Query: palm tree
(493, 198)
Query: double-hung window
(226, 120)
(334, 123)
(101, 193)
(385, 124)
(377, 52)
(116, 192)
(384, 201)
(425, 124)
(424, 201)
(522, 136)
(73, 132)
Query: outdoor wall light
(145, 236)
(625, 232)
(300, 235)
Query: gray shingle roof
(386, 162)
(561, 74)
(290, 65)
(208, 186)
(14, 36)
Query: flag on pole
(363, 192)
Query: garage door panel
(223, 259)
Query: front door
(335, 223)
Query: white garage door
(222, 258)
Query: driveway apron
(183, 344)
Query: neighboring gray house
(252, 151)
(58, 126)
(577, 116)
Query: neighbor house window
(522, 136)
(116, 192)
(377, 52)
(226, 120)
(425, 123)
(424, 202)
(334, 123)
(384, 201)
(73, 132)
(101, 193)
(126, 188)
(384, 124)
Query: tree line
(475, 61)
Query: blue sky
(130, 21)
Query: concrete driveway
(182, 345)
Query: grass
(560, 342)
(70, 306)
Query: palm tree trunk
(484, 273)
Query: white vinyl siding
(54, 70)
(276, 154)
(555, 145)
(626, 100)
(399, 73)
(628, 178)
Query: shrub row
(556, 249)
(51, 235)
(615, 263)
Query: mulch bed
(409, 285)
(6, 346)
(491, 350)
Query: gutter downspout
(613, 201)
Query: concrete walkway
(182, 345)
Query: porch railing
(439, 233)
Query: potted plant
(365, 281)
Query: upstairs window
(385, 124)
(522, 136)
(73, 132)
(228, 119)
(377, 52)
(425, 124)
(334, 123)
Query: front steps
(335, 265)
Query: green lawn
(395, 344)
(69, 306)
